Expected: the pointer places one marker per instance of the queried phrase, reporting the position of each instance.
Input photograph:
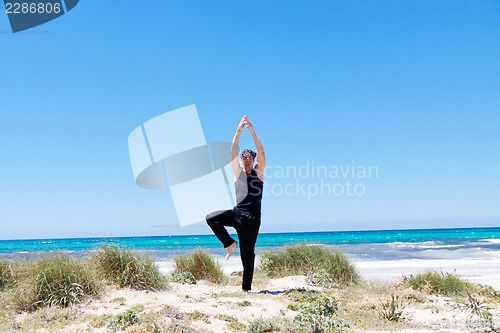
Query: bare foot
(230, 249)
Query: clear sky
(409, 90)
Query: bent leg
(217, 221)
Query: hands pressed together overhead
(245, 122)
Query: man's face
(247, 160)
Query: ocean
(377, 245)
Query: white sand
(437, 314)
(267, 301)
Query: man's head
(248, 156)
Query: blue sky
(411, 88)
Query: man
(245, 216)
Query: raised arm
(261, 156)
(235, 161)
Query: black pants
(247, 228)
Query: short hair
(246, 152)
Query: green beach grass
(53, 281)
(201, 266)
(438, 283)
(128, 269)
(6, 275)
(304, 259)
(60, 281)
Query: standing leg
(248, 237)
(217, 221)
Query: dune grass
(438, 283)
(201, 265)
(53, 281)
(64, 281)
(303, 259)
(128, 269)
(6, 274)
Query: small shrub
(226, 317)
(320, 316)
(119, 300)
(261, 325)
(489, 291)
(6, 275)
(302, 295)
(479, 308)
(236, 326)
(183, 277)
(475, 305)
(302, 259)
(197, 315)
(438, 283)
(320, 278)
(97, 321)
(56, 281)
(323, 307)
(201, 265)
(123, 320)
(244, 303)
(128, 269)
(392, 309)
(232, 322)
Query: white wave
(485, 271)
(425, 245)
(476, 253)
(491, 240)
(426, 263)
(449, 246)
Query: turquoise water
(470, 243)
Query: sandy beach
(207, 307)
